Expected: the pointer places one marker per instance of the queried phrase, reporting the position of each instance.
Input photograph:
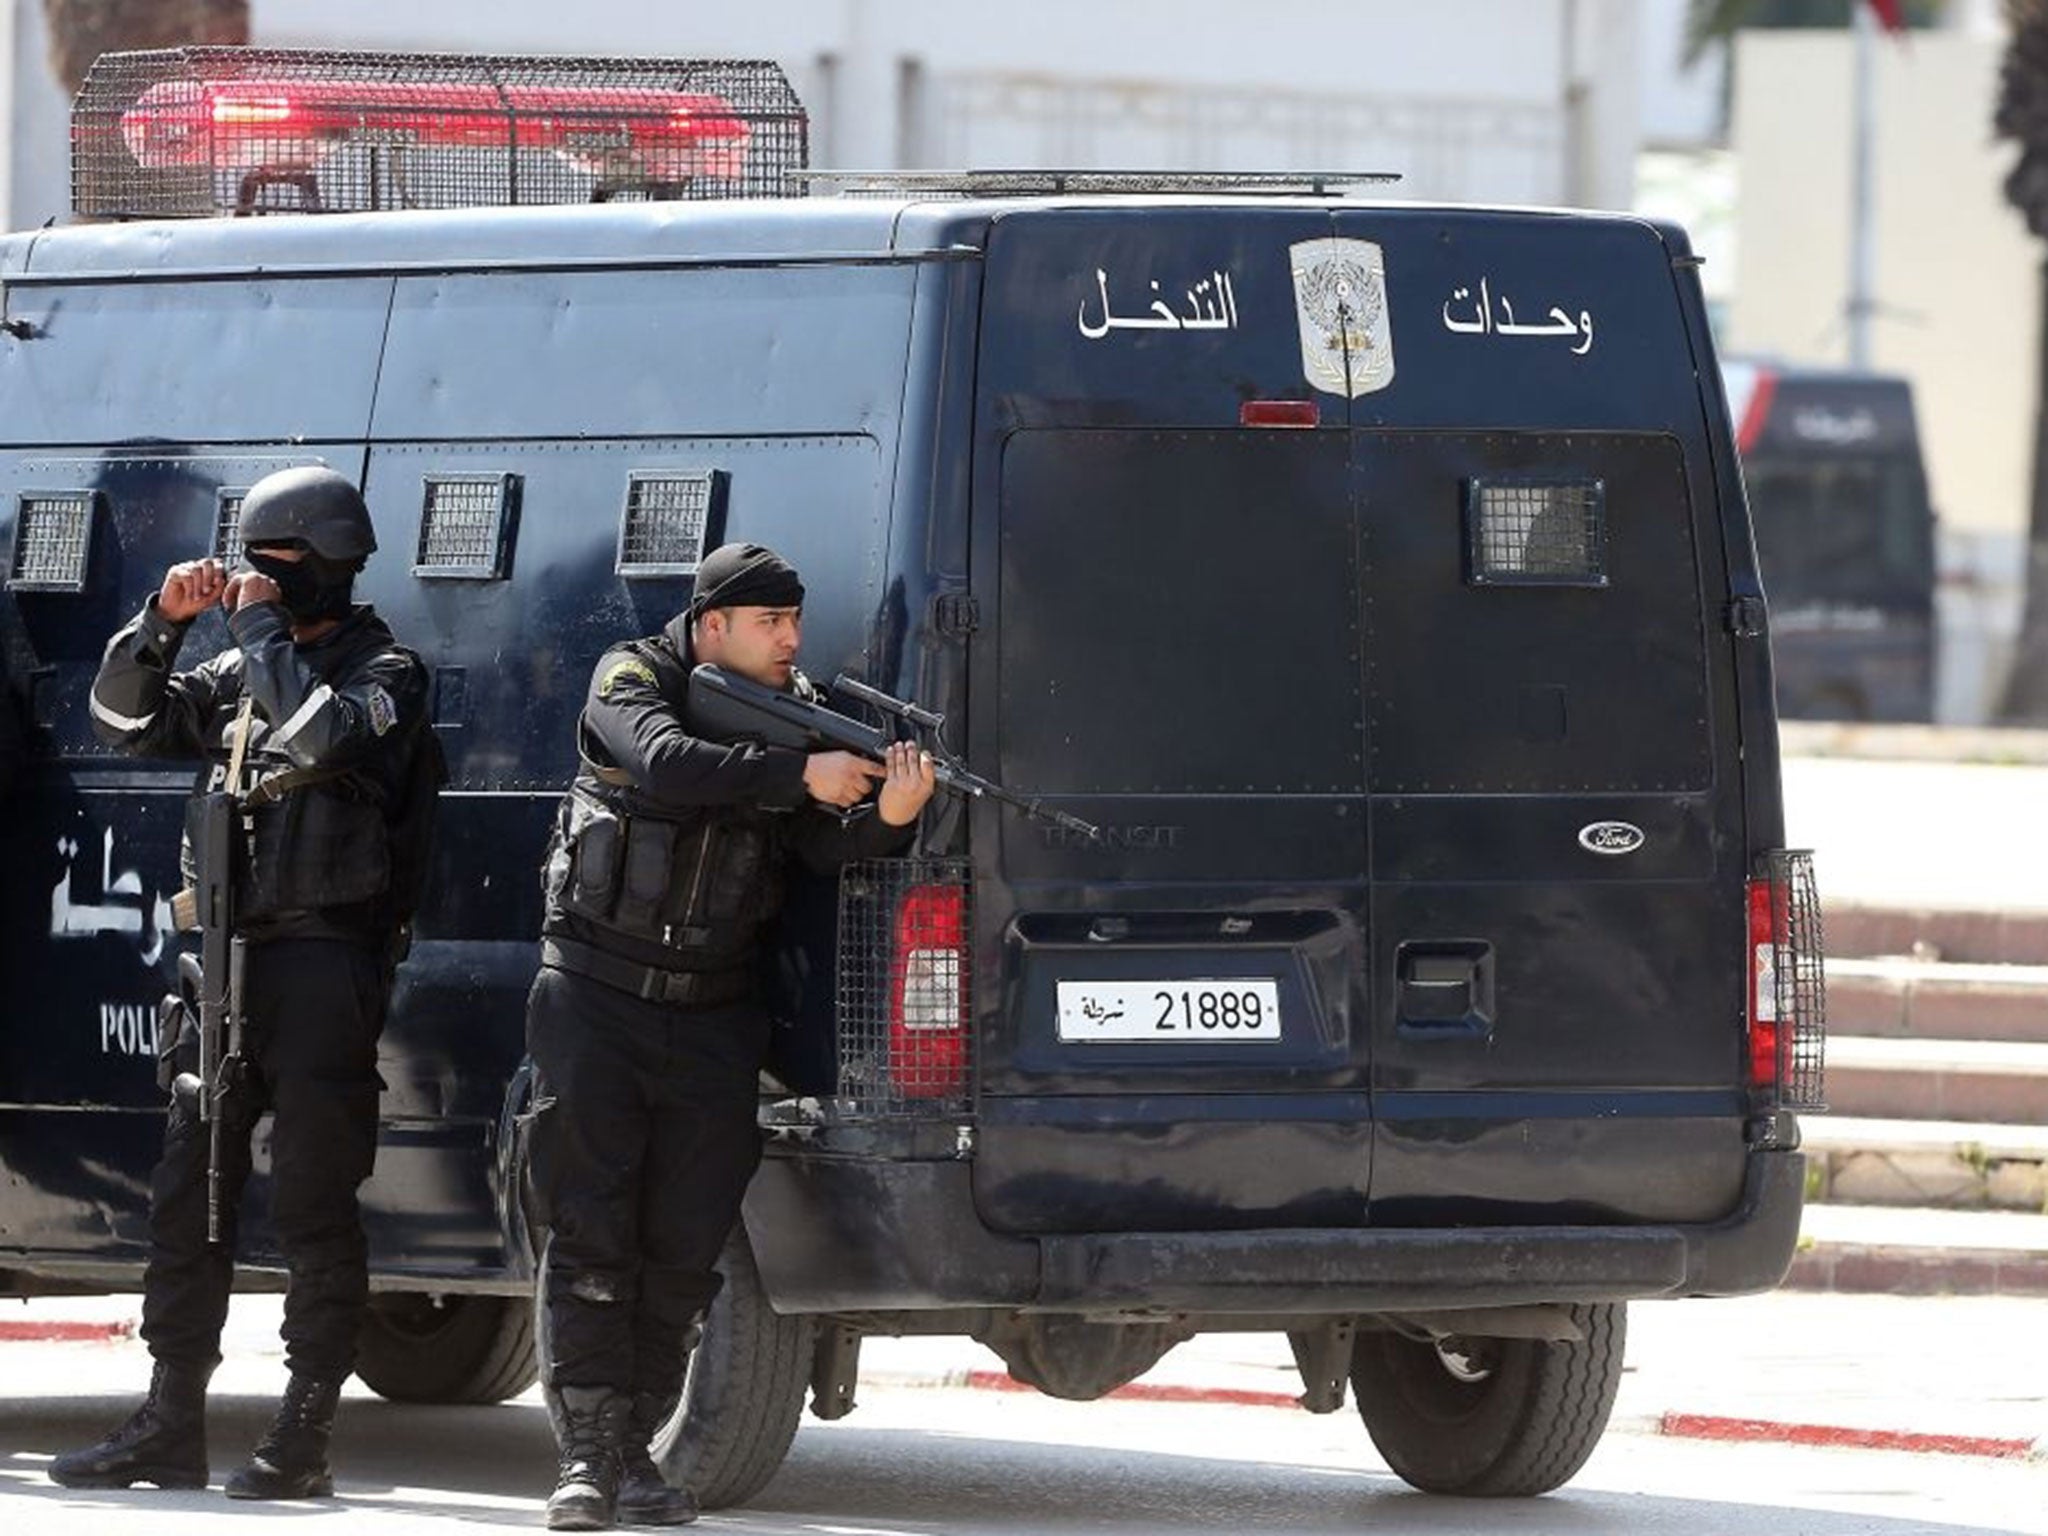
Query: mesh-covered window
(1526, 532)
(52, 541)
(466, 526)
(905, 1027)
(227, 529)
(667, 519)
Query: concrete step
(1947, 1164)
(1917, 1252)
(1932, 1000)
(2000, 1081)
(1983, 936)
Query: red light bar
(283, 125)
(1279, 413)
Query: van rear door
(1172, 597)
(1558, 857)
(1415, 727)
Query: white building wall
(1468, 95)
(1957, 285)
(36, 161)
(1482, 100)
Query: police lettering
(127, 1029)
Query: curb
(65, 1333)
(1707, 1426)
(1672, 1425)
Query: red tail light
(1787, 985)
(928, 1017)
(279, 125)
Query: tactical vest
(687, 887)
(320, 840)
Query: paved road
(924, 1460)
(958, 1461)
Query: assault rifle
(223, 958)
(725, 704)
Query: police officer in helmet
(644, 1024)
(335, 733)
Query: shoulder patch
(630, 669)
(383, 710)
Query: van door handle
(1444, 989)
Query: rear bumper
(853, 1234)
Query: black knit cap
(745, 576)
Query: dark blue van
(1845, 532)
(1375, 576)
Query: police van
(1373, 578)
(1845, 532)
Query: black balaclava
(312, 589)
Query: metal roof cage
(1031, 183)
(193, 132)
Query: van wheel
(1490, 1418)
(744, 1393)
(416, 1348)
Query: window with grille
(466, 526)
(1530, 532)
(52, 541)
(227, 529)
(667, 520)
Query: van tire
(744, 1393)
(1522, 1429)
(416, 1348)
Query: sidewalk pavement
(1954, 1375)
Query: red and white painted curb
(1684, 1426)
(41, 1331)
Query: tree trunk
(82, 30)
(2026, 690)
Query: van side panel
(246, 360)
(560, 386)
(719, 351)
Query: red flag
(1890, 14)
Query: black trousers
(643, 1140)
(315, 1009)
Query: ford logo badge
(1611, 838)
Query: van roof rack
(1015, 183)
(198, 131)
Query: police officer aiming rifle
(644, 1023)
(318, 790)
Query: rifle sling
(275, 786)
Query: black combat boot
(645, 1496)
(591, 1424)
(290, 1461)
(163, 1442)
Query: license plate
(1206, 1010)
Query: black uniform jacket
(671, 849)
(347, 710)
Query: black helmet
(313, 505)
